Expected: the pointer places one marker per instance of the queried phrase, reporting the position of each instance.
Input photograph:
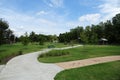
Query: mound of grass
(84, 52)
(105, 71)
(54, 53)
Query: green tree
(25, 39)
(83, 37)
(33, 37)
(116, 24)
(3, 26)
(109, 32)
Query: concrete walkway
(1, 67)
(86, 62)
(27, 67)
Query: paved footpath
(1, 67)
(27, 67)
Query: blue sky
(55, 16)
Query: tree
(33, 37)
(87, 32)
(3, 26)
(25, 39)
(9, 36)
(109, 32)
(12, 38)
(116, 24)
(83, 37)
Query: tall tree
(3, 26)
(116, 24)
(33, 37)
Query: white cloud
(57, 3)
(54, 3)
(90, 18)
(21, 23)
(41, 13)
(109, 9)
(51, 5)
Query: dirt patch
(86, 62)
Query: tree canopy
(92, 34)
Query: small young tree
(25, 39)
(83, 37)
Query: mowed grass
(104, 71)
(83, 52)
(9, 51)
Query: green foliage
(92, 34)
(104, 71)
(84, 38)
(84, 52)
(9, 51)
(51, 46)
(54, 53)
(25, 39)
(41, 42)
(3, 26)
(116, 25)
(74, 34)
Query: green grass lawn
(104, 71)
(9, 51)
(83, 52)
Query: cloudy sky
(55, 16)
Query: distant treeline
(109, 30)
(39, 38)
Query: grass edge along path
(83, 52)
(103, 71)
(8, 51)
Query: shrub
(51, 46)
(20, 52)
(55, 53)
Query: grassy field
(87, 51)
(8, 51)
(105, 71)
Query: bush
(55, 53)
(20, 52)
(51, 46)
(25, 41)
(41, 42)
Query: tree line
(109, 30)
(39, 38)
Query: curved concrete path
(27, 67)
(1, 67)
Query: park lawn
(83, 52)
(104, 71)
(9, 51)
